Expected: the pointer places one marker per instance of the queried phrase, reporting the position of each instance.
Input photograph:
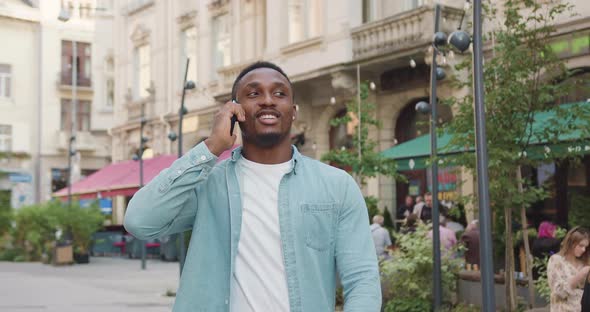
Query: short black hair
(253, 66)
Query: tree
(521, 85)
(369, 163)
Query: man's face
(428, 201)
(409, 200)
(267, 99)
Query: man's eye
(280, 93)
(253, 93)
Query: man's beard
(265, 140)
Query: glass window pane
(4, 69)
(7, 87)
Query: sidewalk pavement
(105, 285)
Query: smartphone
(234, 119)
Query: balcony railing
(64, 78)
(84, 141)
(402, 31)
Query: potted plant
(82, 223)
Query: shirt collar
(296, 156)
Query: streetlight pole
(437, 273)
(485, 232)
(141, 142)
(187, 85)
(460, 40)
(64, 16)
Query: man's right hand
(220, 140)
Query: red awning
(121, 178)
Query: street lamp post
(485, 223)
(187, 85)
(64, 16)
(142, 141)
(459, 40)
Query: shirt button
(203, 157)
(226, 301)
(179, 171)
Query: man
(270, 227)
(406, 208)
(424, 212)
(418, 206)
(381, 237)
(470, 239)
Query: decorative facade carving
(218, 7)
(344, 82)
(140, 35)
(187, 20)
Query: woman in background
(567, 271)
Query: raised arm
(168, 204)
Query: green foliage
(408, 305)
(370, 163)
(517, 86)
(6, 216)
(35, 228)
(579, 212)
(409, 274)
(371, 203)
(541, 283)
(388, 221)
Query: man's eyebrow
(253, 84)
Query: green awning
(415, 154)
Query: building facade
(36, 95)
(319, 43)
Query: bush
(541, 283)
(34, 231)
(36, 226)
(408, 276)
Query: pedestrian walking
(271, 228)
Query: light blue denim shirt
(323, 223)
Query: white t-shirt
(259, 282)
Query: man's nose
(266, 100)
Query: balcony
(410, 29)
(64, 81)
(84, 141)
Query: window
(5, 81)
(188, 43)
(110, 92)
(109, 82)
(368, 14)
(5, 138)
(412, 4)
(82, 115)
(142, 71)
(221, 42)
(304, 19)
(83, 63)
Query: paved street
(106, 285)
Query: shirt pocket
(319, 222)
